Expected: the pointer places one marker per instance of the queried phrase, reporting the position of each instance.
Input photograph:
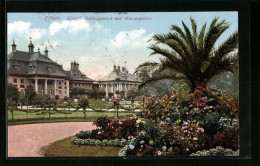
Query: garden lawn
(21, 117)
(64, 148)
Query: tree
(83, 103)
(12, 92)
(30, 94)
(21, 99)
(12, 95)
(192, 56)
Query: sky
(97, 41)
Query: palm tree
(192, 56)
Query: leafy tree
(12, 95)
(21, 99)
(84, 103)
(77, 91)
(30, 94)
(41, 100)
(12, 92)
(191, 56)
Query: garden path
(31, 140)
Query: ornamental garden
(185, 106)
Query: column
(55, 88)
(36, 85)
(125, 86)
(129, 86)
(112, 89)
(45, 89)
(106, 90)
(120, 87)
(117, 88)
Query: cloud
(21, 29)
(131, 38)
(72, 26)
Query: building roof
(33, 64)
(77, 75)
(118, 75)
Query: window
(14, 80)
(17, 67)
(50, 91)
(42, 90)
(22, 81)
(65, 83)
(59, 82)
(65, 92)
(49, 69)
(60, 92)
(32, 67)
(21, 86)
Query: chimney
(114, 67)
(13, 47)
(118, 67)
(30, 46)
(77, 66)
(72, 65)
(46, 52)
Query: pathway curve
(30, 140)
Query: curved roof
(33, 64)
(118, 75)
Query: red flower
(148, 147)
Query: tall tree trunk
(49, 113)
(12, 114)
(117, 112)
(84, 111)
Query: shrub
(228, 105)
(187, 138)
(110, 143)
(124, 150)
(227, 139)
(218, 151)
(98, 143)
(104, 142)
(102, 122)
(151, 129)
(93, 134)
(211, 122)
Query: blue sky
(97, 45)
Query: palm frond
(227, 46)
(151, 65)
(214, 32)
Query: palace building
(36, 69)
(48, 77)
(120, 81)
(78, 79)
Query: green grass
(99, 104)
(64, 148)
(21, 117)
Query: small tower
(118, 67)
(13, 47)
(46, 52)
(114, 67)
(30, 46)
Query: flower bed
(201, 123)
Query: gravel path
(31, 140)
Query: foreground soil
(64, 148)
(31, 140)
